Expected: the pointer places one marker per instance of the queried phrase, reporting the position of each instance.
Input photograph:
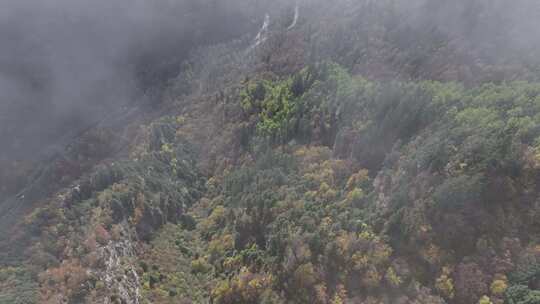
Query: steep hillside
(347, 152)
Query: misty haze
(252, 151)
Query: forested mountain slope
(349, 152)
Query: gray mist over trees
(66, 63)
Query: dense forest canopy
(242, 151)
